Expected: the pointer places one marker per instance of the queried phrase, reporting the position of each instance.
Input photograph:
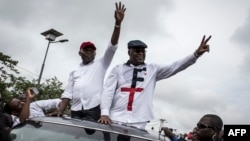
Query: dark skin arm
(63, 104)
(54, 113)
(26, 108)
(119, 15)
(167, 132)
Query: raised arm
(26, 108)
(169, 134)
(119, 15)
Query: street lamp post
(50, 35)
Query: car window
(54, 132)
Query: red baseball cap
(87, 44)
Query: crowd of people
(119, 98)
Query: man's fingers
(208, 39)
(116, 5)
(120, 5)
(104, 120)
(123, 8)
(203, 38)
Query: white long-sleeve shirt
(86, 82)
(37, 109)
(127, 96)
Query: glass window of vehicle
(42, 131)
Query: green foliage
(12, 85)
(50, 89)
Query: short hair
(4, 134)
(7, 107)
(7, 120)
(216, 121)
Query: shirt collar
(128, 63)
(81, 64)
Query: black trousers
(92, 114)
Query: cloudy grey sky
(219, 83)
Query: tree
(50, 89)
(12, 85)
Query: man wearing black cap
(86, 82)
(127, 97)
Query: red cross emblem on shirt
(131, 95)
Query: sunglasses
(203, 126)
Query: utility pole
(161, 124)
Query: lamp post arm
(61, 41)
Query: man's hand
(167, 132)
(59, 113)
(204, 47)
(119, 13)
(52, 114)
(62, 106)
(105, 120)
(29, 95)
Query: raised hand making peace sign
(204, 47)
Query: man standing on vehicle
(127, 97)
(86, 82)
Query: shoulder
(76, 68)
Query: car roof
(113, 128)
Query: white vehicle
(68, 129)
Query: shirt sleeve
(109, 91)
(166, 71)
(109, 54)
(15, 120)
(174, 138)
(38, 108)
(68, 92)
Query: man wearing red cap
(86, 82)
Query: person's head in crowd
(0, 102)
(87, 52)
(136, 52)
(4, 127)
(222, 135)
(208, 128)
(14, 107)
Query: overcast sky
(218, 83)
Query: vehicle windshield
(57, 132)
